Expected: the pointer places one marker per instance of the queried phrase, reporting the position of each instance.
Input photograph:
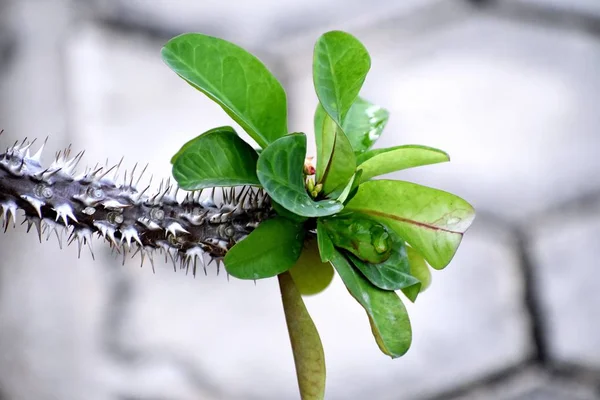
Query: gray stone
(565, 245)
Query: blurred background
(510, 88)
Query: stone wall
(509, 88)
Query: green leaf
(383, 161)
(324, 140)
(430, 220)
(280, 171)
(310, 274)
(218, 157)
(364, 124)
(280, 210)
(235, 79)
(272, 248)
(340, 65)
(336, 162)
(325, 244)
(364, 237)
(393, 273)
(307, 348)
(418, 269)
(388, 317)
(342, 194)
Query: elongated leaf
(309, 357)
(364, 124)
(310, 274)
(272, 248)
(325, 140)
(340, 65)
(233, 78)
(383, 161)
(393, 273)
(279, 170)
(218, 157)
(388, 317)
(342, 163)
(430, 220)
(325, 244)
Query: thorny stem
(55, 199)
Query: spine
(56, 199)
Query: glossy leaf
(310, 274)
(340, 65)
(235, 79)
(336, 162)
(325, 244)
(218, 157)
(391, 274)
(283, 212)
(388, 317)
(307, 348)
(279, 170)
(272, 248)
(430, 220)
(383, 161)
(364, 124)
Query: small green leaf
(388, 317)
(393, 273)
(324, 140)
(307, 348)
(325, 244)
(383, 161)
(280, 171)
(340, 65)
(310, 274)
(270, 249)
(418, 269)
(364, 124)
(342, 194)
(336, 162)
(235, 79)
(430, 220)
(364, 237)
(218, 157)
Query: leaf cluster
(380, 236)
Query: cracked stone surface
(566, 253)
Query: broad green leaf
(364, 124)
(235, 79)
(420, 270)
(341, 164)
(310, 274)
(272, 248)
(393, 273)
(325, 244)
(280, 171)
(383, 161)
(388, 317)
(430, 220)
(307, 348)
(364, 237)
(218, 157)
(340, 65)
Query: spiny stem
(54, 199)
